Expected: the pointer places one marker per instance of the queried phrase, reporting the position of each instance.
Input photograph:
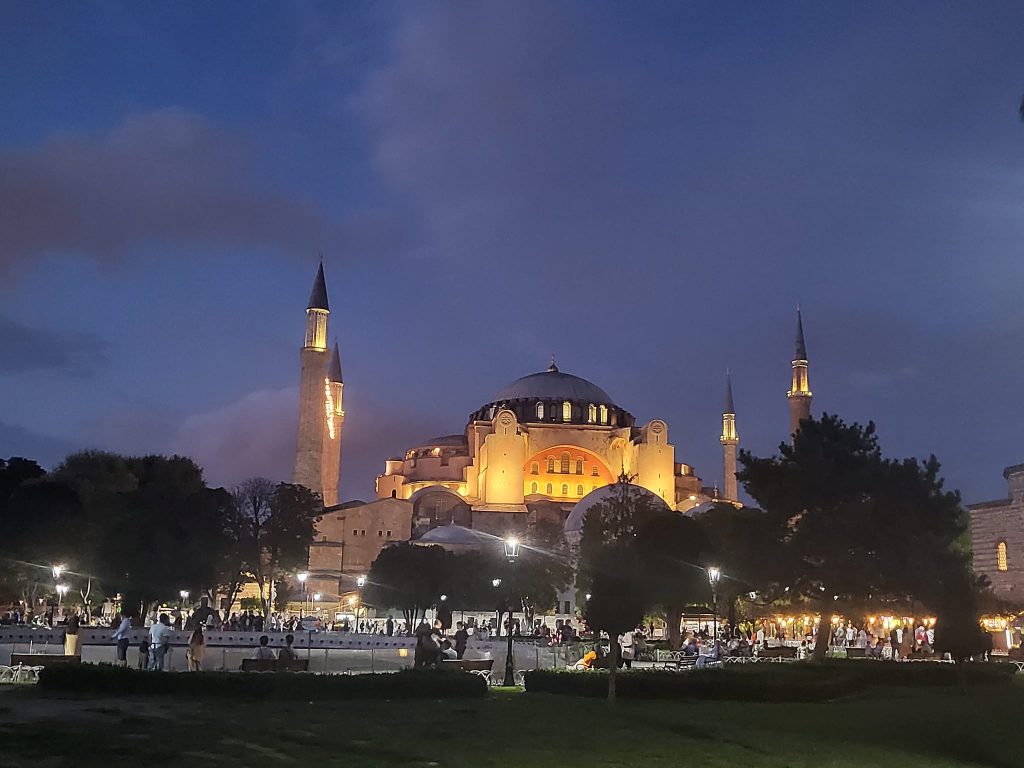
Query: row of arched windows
(565, 466)
(549, 489)
(596, 414)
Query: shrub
(118, 681)
(763, 682)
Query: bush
(763, 682)
(118, 681)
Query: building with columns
(539, 448)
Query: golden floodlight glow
(329, 406)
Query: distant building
(997, 538)
(535, 450)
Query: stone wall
(1001, 521)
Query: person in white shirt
(160, 641)
(122, 636)
(263, 650)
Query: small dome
(452, 535)
(552, 384)
(574, 523)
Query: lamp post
(511, 554)
(305, 595)
(58, 569)
(714, 574)
(183, 594)
(360, 583)
(62, 589)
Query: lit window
(604, 414)
(535, 468)
(540, 410)
(1001, 559)
(549, 490)
(533, 487)
(565, 463)
(579, 466)
(551, 463)
(591, 413)
(566, 411)
(579, 490)
(593, 472)
(565, 489)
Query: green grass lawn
(908, 728)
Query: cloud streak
(24, 349)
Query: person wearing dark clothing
(390, 626)
(461, 639)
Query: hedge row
(406, 684)
(763, 682)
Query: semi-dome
(552, 384)
(452, 536)
(574, 522)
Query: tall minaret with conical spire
(800, 392)
(729, 439)
(318, 453)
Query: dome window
(591, 413)
(604, 414)
(540, 410)
(566, 410)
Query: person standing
(71, 645)
(628, 649)
(196, 649)
(159, 641)
(461, 640)
(122, 636)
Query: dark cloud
(47, 450)
(166, 176)
(24, 349)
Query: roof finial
(729, 407)
(552, 368)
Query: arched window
(604, 414)
(579, 466)
(593, 472)
(551, 463)
(579, 490)
(566, 411)
(540, 410)
(533, 487)
(591, 413)
(535, 468)
(565, 489)
(549, 489)
(1001, 559)
(565, 463)
(554, 410)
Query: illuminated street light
(361, 582)
(511, 546)
(495, 583)
(58, 569)
(302, 576)
(714, 575)
(443, 598)
(184, 594)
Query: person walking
(196, 649)
(122, 636)
(461, 639)
(71, 646)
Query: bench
(43, 659)
(855, 653)
(275, 665)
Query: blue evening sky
(646, 190)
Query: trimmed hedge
(793, 682)
(118, 681)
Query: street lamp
(57, 569)
(361, 582)
(302, 576)
(62, 589)
(714, 574)
(184, 596)
(511, 545)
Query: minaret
(800, 393)
(315, 392)
(729, 439)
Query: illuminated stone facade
(547, 436)
(997, 538)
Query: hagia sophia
(546, 446)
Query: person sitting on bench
(263, 651)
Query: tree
(671, 547)
(616, 604)
(276, 528)
(857, 526)
(410, 578)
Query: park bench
(275, 665)
(778, 653)
(855, 653)
(42, 659)
(481, 667)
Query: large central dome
(552, 384)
